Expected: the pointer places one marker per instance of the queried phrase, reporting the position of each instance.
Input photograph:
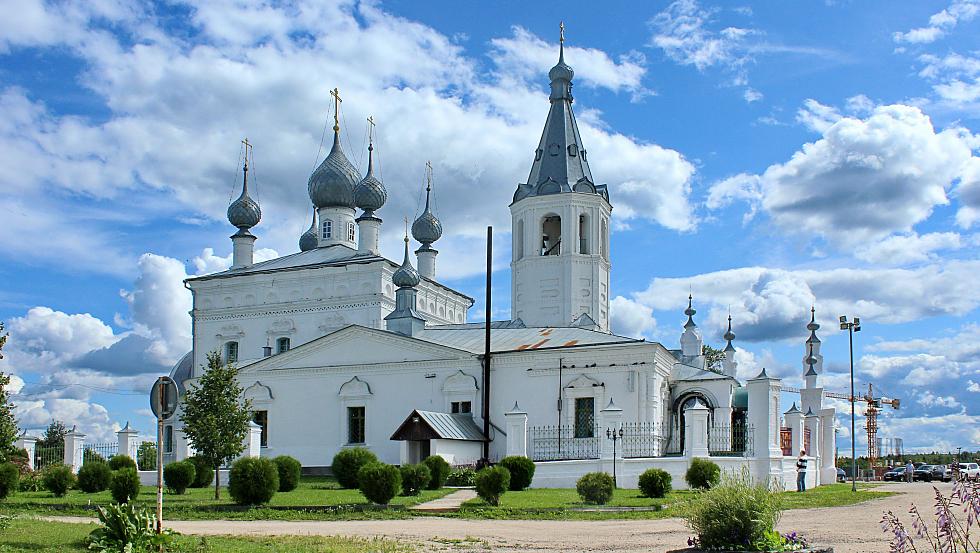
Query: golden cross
(336, 108)
(561, 33)
(371, 129)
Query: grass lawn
(321, 496)
(565, 504)
(37, 536)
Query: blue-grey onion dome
(561, 71)
(406, 276)
(427, 228)
(370, 193)
(332, 183)
(308, 240)
(811, 360)
(244, 212)
(729, 335)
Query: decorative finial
(248, 150)
(336, 109)
(561, 32)
(406, 230)
(428, 180)
(370, 120)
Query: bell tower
(560, 225)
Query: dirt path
(852, 529)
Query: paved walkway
(852, 529)
(446, 503)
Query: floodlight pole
(849, 326)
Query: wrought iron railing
(99, 452)
(47, 456)
(551, 443)
(644, 439)
(734, 441)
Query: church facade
(341, 347)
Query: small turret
(729, 366)
(244, 213)
(691, 342)
(427, 229)
(405, 319)
(812, 346)
(369, 195)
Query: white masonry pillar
(696, 430)
(610, 418)
(828, 447)
(516, 431)
(763, 415)
(253, 441)
(74, 450)
(811, 421)
(28, 444)
(128, 442)
(794, 421)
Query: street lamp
(851, 328)
(614, 436)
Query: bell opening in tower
(551, 235)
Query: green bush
(58, 479)
(491, 483)
(253, 481)
(438, 470)
(655, 483)
(125, 485)
(20, 459)
(32, 481)
(521, 471)
(347, 464)
(289, 472)
(9, 475)
(203, 472)
(595, 487)
(702, 474)
(379, 482)
(127, 528)
(94, 477)
(734, 513)
(117, 462)
(461, 476)
(179, 476)
(415, 478)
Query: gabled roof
(689, 373)
(471, 338)
(430, 425)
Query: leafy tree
(8, 424)
(713, 358)
(146, 455)
(54, 436)
(214, 416)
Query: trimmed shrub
(20, 459)
(438, 471)
(58, 479)
(415, 478)
(347, 464)
(253, 481)
(203, 472)
(179, 476)
(702, 474)
(117, 462)
(9, 475)
(289, 472)
(654, 483)
(491, 483)
(521, 471)
(461, 476)
(125, 485)
(595, 487)
(379, 482)
(94, 477)
(734, 514)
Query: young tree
(8, 423)
(54, 436)
(214, 416)
(713, 358)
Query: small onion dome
(370, 193)
(690, 311)
(813, 326)
(427, 228)
(729, 335)
(244, 212)
(561, 71)
(308, 240)
(332, 183)
(406, 276)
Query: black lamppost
(851, 328)
(614, 436)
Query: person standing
(801, 472)
(909, 471)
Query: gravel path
(851, 529)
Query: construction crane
(870, 414)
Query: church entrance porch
(453, 436)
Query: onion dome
(729, 336)
(308, 240)
(427, 228)
(332, 183)
(811, 360)
(370, 193)
(406, 276)
(561, 71)
(244, 212)
(690, 311)
(813, 326)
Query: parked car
(922, 473)
(969, 471)
(841, 475)
(942, 473)
(897, 474)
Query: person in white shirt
(801, 472)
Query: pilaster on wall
(516, 431)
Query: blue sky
(765, 156)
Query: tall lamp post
(851, 328)
(614, 436)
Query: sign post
(163, 402)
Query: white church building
(341, 347)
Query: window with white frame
(327, 229)
(282, 345)
(350, 231)
(231, 352)
(461, 407)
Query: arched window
(583, 234)
(327, 229)
(519, 249)
(350, 231)
(604, 241)
(282, 345)
(551, 235)
(231, 352)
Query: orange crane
(870, 414)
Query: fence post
(696, 430)
(253, 440)
(828, 447)
(128, 444)
(28, 444)
(609, 418)
(516, 431)
(74, 449)
(812, 422)
(794, 421)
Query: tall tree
(713, 358)
(54, 436)
(8, 423)
(214, 416)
